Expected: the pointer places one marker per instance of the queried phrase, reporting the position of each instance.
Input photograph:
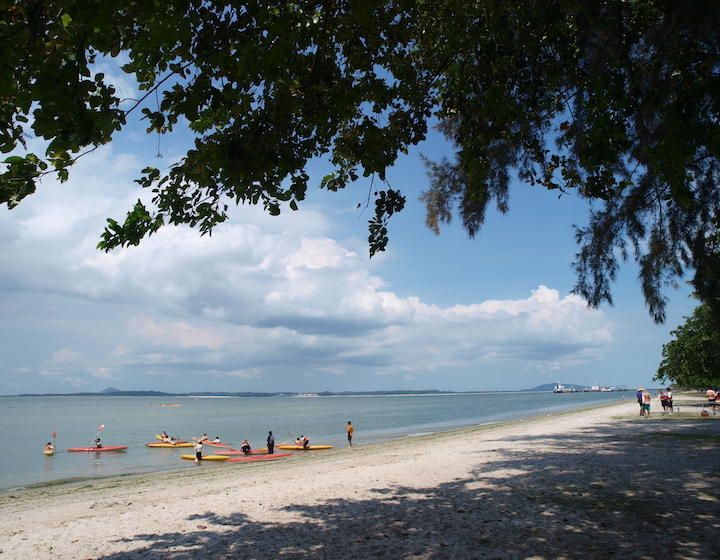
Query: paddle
(54, 439)
(100, 429)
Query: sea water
(28, 424)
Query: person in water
(198, 451)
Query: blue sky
(293, 303)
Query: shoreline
(75, 480)
(596, 482)
(42, 486)
(132, 422)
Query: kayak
(241, 452)
(216, 444)
(111, 448)
(157, 436)
(165, 444)
(259, 457)
(301, 448)
(208, 457)
(49, 451)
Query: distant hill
(110, 390)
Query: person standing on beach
(270, 443)
(645, 406)
(350, 431)
(668, 400)
(639, 396)
(711, 398)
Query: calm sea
(134, 421)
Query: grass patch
(595, 504)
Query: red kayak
(241, 452)
(215, 444)
(115, 448)
(259, 457)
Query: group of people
(167, 439)
(174, 441)
(302, 441)
(644, 398)
(666, 400)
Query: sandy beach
(596, 483)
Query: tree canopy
(693, 358)
(614, 101)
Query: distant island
(113, 392)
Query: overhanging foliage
(614, 101)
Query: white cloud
(61, 362)
(253, 373)
(74, 381)
(103, 373)
(262, 294)
(174, 333)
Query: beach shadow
(644, 490)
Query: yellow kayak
(49, 451)
(165, 444)
(158, 436)
(208, 457)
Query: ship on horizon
(596, 388)
(562, 389)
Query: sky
(294, 303)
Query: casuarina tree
(615, 102)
